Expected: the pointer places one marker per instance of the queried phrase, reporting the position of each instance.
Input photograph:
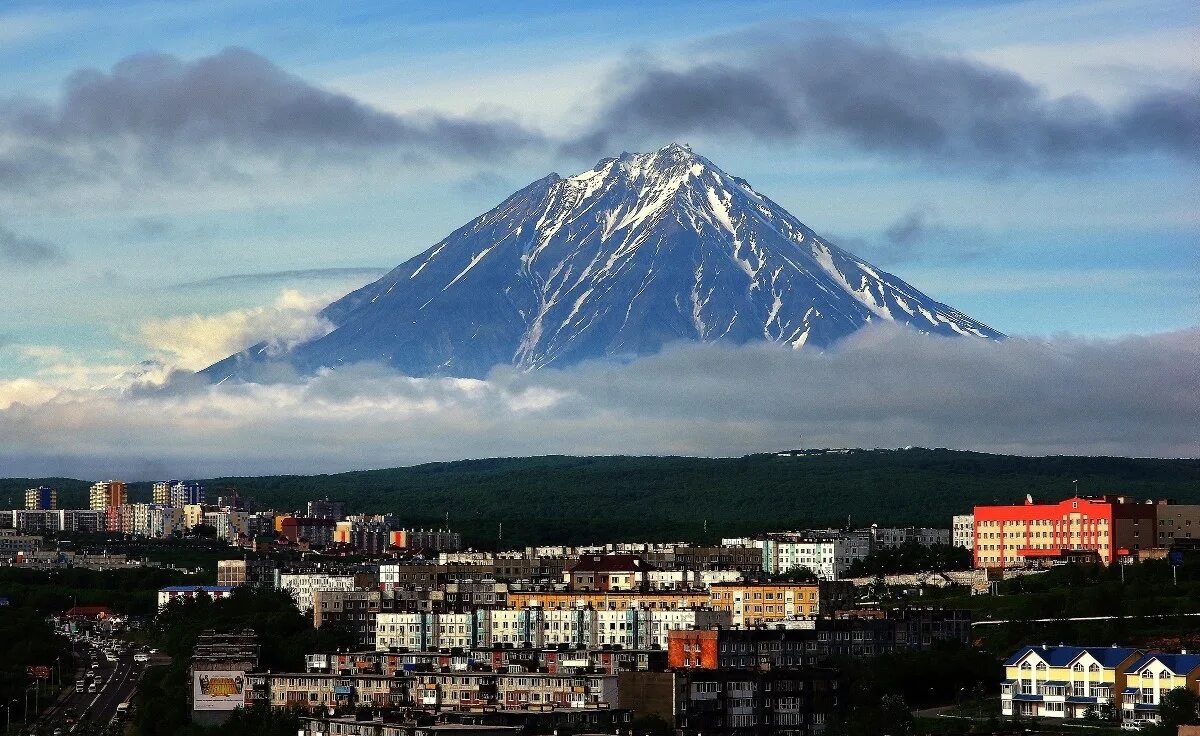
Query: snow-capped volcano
(640, 251)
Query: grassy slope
(577, 499)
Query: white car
(140, 657)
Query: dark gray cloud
(882, 98)
(883, 387)
(912, 228)
(918, 235)
(19, 250)
(153, 111)
(271, 277)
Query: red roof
(89, 612)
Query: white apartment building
(411, 631)
(453, 630)
(229, 524)
(826, 558)
(962, 530)
(570, 626)
(303, 585)
(156, 521)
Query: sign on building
(218, 689)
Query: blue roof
(1180, 664)
(1056, 683)
(1080, 699)
(1130, 691)
(193, 588)
(1145, 706)
(1061, 656)
(1027, 696)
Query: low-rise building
(1065, 681)
(1151, 677)
(187, 592)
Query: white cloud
(883, 387)
(196, 341)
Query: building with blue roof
(1151, 677)
(1065, 681)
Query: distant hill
(559, 499)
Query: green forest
(557, 499)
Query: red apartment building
(1110, 525)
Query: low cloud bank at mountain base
(884, 386)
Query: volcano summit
(616, 262)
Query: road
(1128, 617)
(114, 681)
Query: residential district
(728, 638)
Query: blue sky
(1104, 247)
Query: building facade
(1111, 525)
(963, 531)
(42, 498)
(106, 494)
(1065, 681)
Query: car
(92, 688)
(141, 657)
(95, 665)
(79, 685)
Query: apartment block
(753, 604)
(1176, 523)
(42, 498)
(302, 585)
(962, 528)
(796, 701)
(1110, 525)
(356, 609)
(618, 600)
(106, 494)
(863, 634)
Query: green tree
(1178, 708)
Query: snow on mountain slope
(642, 250)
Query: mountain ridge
(642, 250)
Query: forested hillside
(581, 499)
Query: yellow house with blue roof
(1151, 677)
(1065, 681)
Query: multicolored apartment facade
(1111, 526)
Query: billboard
(218, 689)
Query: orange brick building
(1110, 525)
(692, 649)
(751, 604)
